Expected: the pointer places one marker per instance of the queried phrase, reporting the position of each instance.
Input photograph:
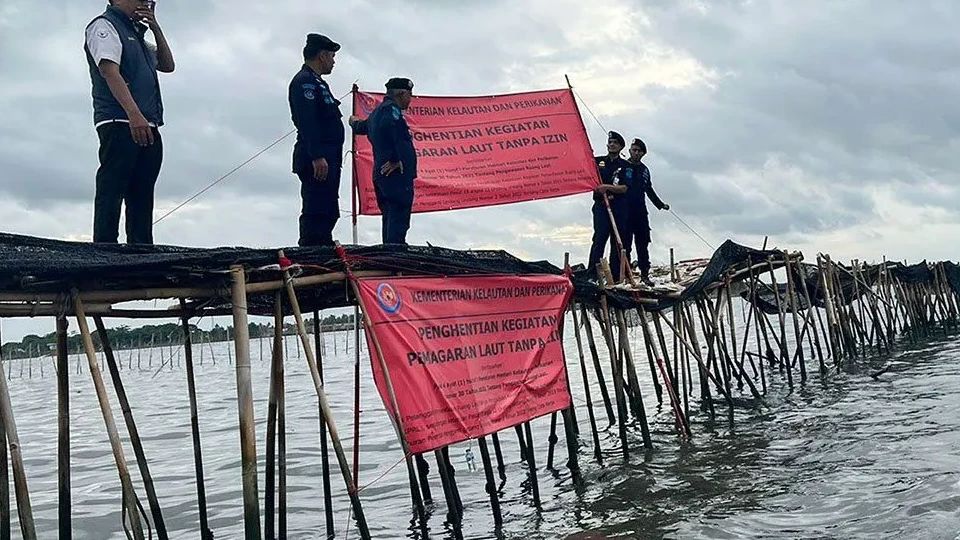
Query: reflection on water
(843, 457)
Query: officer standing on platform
(394, 158)
(636, 175)
(615, 192)
(127, 114)
(318, 152)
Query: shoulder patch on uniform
(396, 113)
(309, 94)
(103, 34)
(629, 173)
(309, 86)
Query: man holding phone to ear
(127, 112)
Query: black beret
(399, 83)
(638, 142)
(617, 137)
(319, 42)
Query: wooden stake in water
(129, 504)
(592, 344)
(205, 532)
(586, 387)
(248, 436)
(328, 413)
(324, 454)
(131, 424)
(269, 495)
(490, 486)
(64, 520)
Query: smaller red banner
(467, 356)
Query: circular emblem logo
(102, 34)
(309, 94)
(388, 298)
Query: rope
(702, 239)
(235, 169)
(224, 177)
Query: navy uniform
(608, 166)
(390, 137)
(320, 134)
(637, 176)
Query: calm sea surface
(844, 456)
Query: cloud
(824, 123)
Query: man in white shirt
(128, 112)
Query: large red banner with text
(467, 356)
(485, 151)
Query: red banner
(467, 356)
(485, 151)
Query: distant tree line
(156, 335)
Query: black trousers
(126, 178)
(321, 207)
(395, 205)
(638, 234)
(603, 234)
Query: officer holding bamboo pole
(613, 194)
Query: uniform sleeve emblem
(102, 34)
(307, 93)
(396, 113)
(629, 173)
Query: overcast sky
(828, 126)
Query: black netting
(730, 257)
(952, 272)
(35, 265)
(916, 274)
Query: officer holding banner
(615, 192)
(394, 158)
(318, 152)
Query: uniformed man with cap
(615, 192)
(318, 152)
(636, 175)
(394, 158)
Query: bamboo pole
(792, 300)
(324, 452)
(129, 497)
(641, 412)
(617, 380)
(586, 387)
(490, 486)
(592, 344)
(269, 496)
(532, 466)
(5, 487)
(501, 467)
(64, 503)
(327, 413)
(127, 412)
(248, 437)
(205, 532)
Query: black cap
(638, 142)
(617, 137)
(399, 83)
(319, 42)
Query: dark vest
(138, 67)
